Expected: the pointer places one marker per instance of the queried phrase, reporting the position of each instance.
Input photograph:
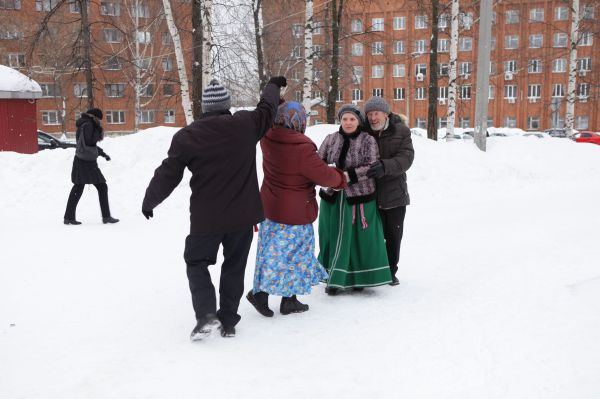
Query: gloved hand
(106, 157)
(279, 81)
(376, 170)
(148, 213)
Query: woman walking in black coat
(85, 166)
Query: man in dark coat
(220, 151)
(396, 156)
(85, 166)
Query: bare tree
(433, 75)
(308, 60)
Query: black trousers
(75, 196)
(201, 252)
(393, 228)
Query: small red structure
(18, 122)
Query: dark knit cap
(215, 97)
(353, 109)
(377, 104)
(97, 112)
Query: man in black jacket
(396, 156)
(220, 151)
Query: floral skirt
(285, 260)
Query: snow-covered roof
(13, 84)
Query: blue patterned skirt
(285, 260)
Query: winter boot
(395, 281)
(109, 219)
(292, 305)
(332, 291)
(71, 221)
(227, 331)
(358, 289)
(260, 301)
(206, 325)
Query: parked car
(539, 135)
(557, 132)
(587, 137)
(47, 142)
(471, 133)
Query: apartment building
(385, 52)
(131, 49)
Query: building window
(559, 65)
(316, 95)
(561, 13)
(357, 95)
(50, 90)
(464, 69)
(296, 52)
(511, 42)
(80, 90)
(465, 44)
(420, 93)
(443, 45)
(442, 123)
(112, 35)
(586, 39)
(45, 5)
(559, 122)
(147, 91)
(420, 46)
(170, 116)
(377, 48)
(421, 70)
(16, 60)
(399, 23)
(147, 116)
(399, 47)
(534, 91)
(166, 39)
(583, 90)
(536, 15)
(464, 123)
(377, 25)
(536, 41)
(10, 4)
(465, 92)
(510, 91)
(141, 11)
(510, 121)
(317, 49)
(73, 7)
(110, 8)
(357, 49)
(399, 93)
(167, 64)
(443, 69)
(356, 26)
(582, 122)
(340, 96)
(420, 22)
(421, 123)
(587, 11)
(466, 20)
(378, 92)
(357, 74)
(10, 34)
(442, 93)
(534, 66)
(297, 30)
(512, 16)
(144, 37)
(492, 67)
(377, 71)
(493, 43)
(560, 39)
(399, 71)
(510, 66)
(168, 90)
(584, 64)
(533, 123)
(114, 90)
(115, 117)
(491, 94)
(558, 90)
(443, 21)
(111, 64)
(51, 118)
(298, 96)
(318, 28)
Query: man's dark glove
(148, 213)
(376, 171)
(106, 157)
(279, 81)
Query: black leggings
(76, 193)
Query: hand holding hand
(376, 171)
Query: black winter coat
(397, 154)
(87, 171)
(220, 151)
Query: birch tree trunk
(308, 60)
(570, 114)
(207, 43)
(185, 90)
(450, 121)
(258, 37)
(87, 50)
(137, 85)
(197, 33)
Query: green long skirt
(352, 247)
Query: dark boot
(227, 331)
(109, 219)
(260, 301)
(332, 291)
(358, 289)
(292, 305)
(395, 281)
(71, 221)
(205, 326)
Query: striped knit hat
(215, 97)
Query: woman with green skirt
(352, 247)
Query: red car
(587, 137)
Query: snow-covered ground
(499, 293)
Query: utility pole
(483, 72)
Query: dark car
(47, 142)
(557, 132)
